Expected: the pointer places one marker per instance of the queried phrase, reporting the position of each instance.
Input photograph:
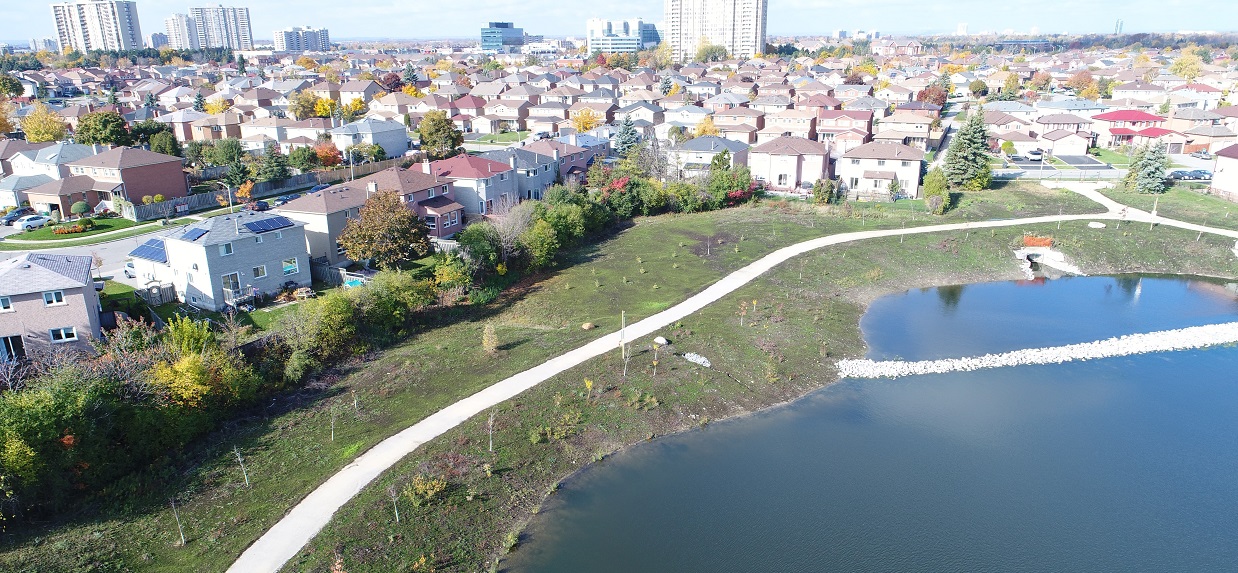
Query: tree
(240, 64)
(665, 85)
(10, 87)
(365, 152)
(6, 111)
(43, 124)
(1041, 81)
(1150, 170)
(627, 138)
(307, 63)
(1188, 66)
(238, 174)
(217, 105)
(1080, 80)
(149, 102)
(226, 152)
(1008, 147)
(823, 191)
(936, 192)
(978, 88)
(387, 232)
(439, 136)
(1091, 92)
(274, 165)
(164, 142)
(585, 120)
(933, 94)
(199, 102)
(1136, 158)
(721, 161)
(197, 152)
(391, 82)
(706, 127)
(142, 131)
(895, 189)
(328, 154)
(354, 110)
(711, 53)
(304, 159)
(1012, 84)
(104, 128)
(303, 104)
(79, 208)
(410, 74)
(967, 159)
(541, 242)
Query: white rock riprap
(1160, 341)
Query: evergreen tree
(665, 86)
(149, 103)
(111, 97)
(199, 103)
(274, 165)
(627, 138)
(967, 159)
(238, 174)
(410, 74)
(240, 64)
(1132, 172)
(1151, 170)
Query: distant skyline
(399, 19)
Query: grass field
(1182, 204)
(509, 137)
(654, 264)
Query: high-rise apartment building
(619, 36)
(41, 44)
(182, 32)
(97, 25)
(501, 38)
(737, 25)
(305, 39)
(156, 40)
(223, 27)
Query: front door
(232, 286)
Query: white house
(867, 171)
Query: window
(481, 206)
(290, 266)
(855, 161)
(231, 282)
(279, 235)
(260, 271)
(782, 179)
(53, 298)
(12, 348)
(429, 193)
(906, 163)
(431, 221)
(258, 239)
(66, 334)
(881, 162)
(6, 304)
(489, 205)
(188, 278)
(444, 189)
(855, 182)
(225, 249)
(455, 217)
(502, 177)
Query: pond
(1122, 464)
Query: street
(114, 253)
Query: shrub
(425, 489)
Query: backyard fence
(325, 273)
(156, 295)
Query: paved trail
(286, 538)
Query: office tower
(220, 27)
(182, 32)
(614, 36)
(737, 25)
(305, 39)
(501, 38)
(98, 25)
(962, 29)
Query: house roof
(712, 143)
(70, 185)
(790, 145)
(38, 272)
(468, 167)
(1061, 118)
(524, 158)
(1060, 134)
(892, 151)
(60, 153)
(224, 229)
(548, 147)
(126, 158)
(882, 175)
(1128, 115)
(354, 193)
(1230, 152)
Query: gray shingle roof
(226, 228)
(38, 272)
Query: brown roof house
(46, 300)
(326, 212)
(867, 171)
(128, 173)
(790, 163)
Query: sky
(420, 19)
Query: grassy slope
(1182, 204)
(287, 446)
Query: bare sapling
(177, 515)
(241, 461)
(395, 496)
(490, 427)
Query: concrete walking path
(285, 539)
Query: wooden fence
(158, 294)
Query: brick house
(48, 300)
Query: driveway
(1084, 162)
(1187, 162)
(1028, 165)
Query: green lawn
(509, 137)
(101, 226)
(1182, 204)
(1113, 158)
(261, 319)
(125, 234)
(642, 270)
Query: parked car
(542, 135)
(318, 188)
(33, 222)
(1017, 158)
(257, 205)
(130, 271)
(1035, 155)
(1203, 154)
(16, 214)
(1201, 174)
(1179, 174)
(286, 198)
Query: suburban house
(573, 160)
(694, 156)
(867, 171)
(364, 90)
(482, 186)
(325, 212)
(37, 166)
(844, 129)
(790, 163)
(534, 172)
(227, 260)
(740, 124)
(1122, 127)
(1225, 172)
(792, 122)
(226, 125)
(11, 147)
(47, 300)
(132, 173)
(906, 128)
(392, 136)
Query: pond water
(1123, 464)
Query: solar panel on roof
(269, 224)
(151, 250)
(194, 234)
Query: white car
(130, 271)
(1035, 155)
(32, 222)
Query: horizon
(788, 18)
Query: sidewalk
(52, 243)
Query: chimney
(425, 165)
(556, 154)
(574, 138)
(511, 160)
(371, 188)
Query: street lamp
(228, 192)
